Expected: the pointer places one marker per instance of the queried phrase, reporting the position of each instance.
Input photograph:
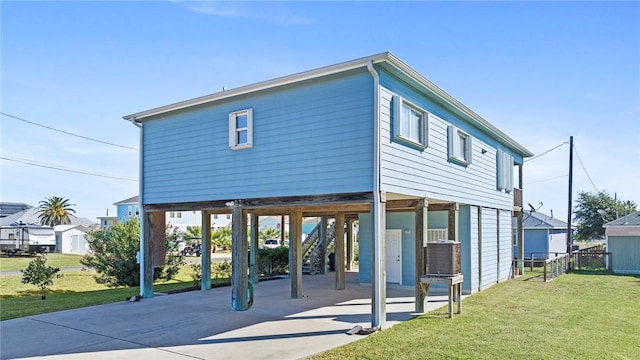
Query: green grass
(576, 316)
(53, 259)
(75, 289)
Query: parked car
(271, 243)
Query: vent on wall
(443, 258)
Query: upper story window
(130, 210)
(504, 165)
(179, 215)
(172, 215)
(459, 146)
(241, 129)
(410, 123)
(137, 210)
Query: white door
(393, 255)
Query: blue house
(370, 140)
(544, 236)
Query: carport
(201, 324)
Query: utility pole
(570, 200)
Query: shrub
(273, 261)
(113, 254)
(39, 274)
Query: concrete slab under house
(369, 141)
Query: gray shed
(623, 241)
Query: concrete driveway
(202, 325)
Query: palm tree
(55, 211)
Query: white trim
(453, 146)
(398, 103)
(234, 130)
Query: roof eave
(333, 69)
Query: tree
(594, 210)
(193, 232)
(221, 238)
(55, 211)
(39, 274)
(113, 254)
(270, 233)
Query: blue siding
(438, 219)
(399, 84)
(489, 251)
(310, 139)
(467, 247)
(536, 240)
(403, 221)
(406, 170)
(365, 233)
(505, 245)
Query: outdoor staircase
(312, 248)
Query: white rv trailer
(26, 238)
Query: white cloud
(269, 11)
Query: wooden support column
(339, 252)
(254, 271)
(283, 235)
(420, 243)
(323, 245)
(239, 259)
(520, 241)
(146, 263)
(205, 257)
(452, 225)
(158, 229)
(295, 253)
(378, 269)
(349, 244)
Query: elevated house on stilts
(370, 140)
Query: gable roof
(30, 216)
(537, 220)
(131, 200)
(629, 220)
(63, 228)
(382, 58)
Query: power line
(548, 151)
(585, 170)
(61, 168)
(68, 133)
(543, 180)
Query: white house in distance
(128, 208)
(623, 242)
(70, 239)
(368, 139)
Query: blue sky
(540, 72)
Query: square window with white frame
(241, 129)
(410, 123)
(459, 146)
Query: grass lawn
(53, 259)
(576, 316)
(75, 289)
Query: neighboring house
(623, 242)
(9, 208)
(130, 207)
(107, 221)
(30, 216)
(544, 236)
(70, 239)
(369, 139)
